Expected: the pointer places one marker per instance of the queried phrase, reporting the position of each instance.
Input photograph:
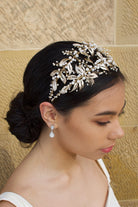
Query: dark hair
(24, 116)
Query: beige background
(27, 26)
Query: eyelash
(107, 122)
(103, 123)
(121, 113)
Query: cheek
(80, 135)
(72, 135)
(79, 129)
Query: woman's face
(91, 130)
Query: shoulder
(17, 182)
(6, 204)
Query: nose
(117, 132)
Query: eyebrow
(110, 112)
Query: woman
(73, 96)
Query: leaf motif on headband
(79, 69)
(62, 77)
(75, 87)
(69, 68)
(81, 84)
(63, 62)
(54, 83)
(93, 75)
(65, 89)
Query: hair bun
(22, 122)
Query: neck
(52, 155)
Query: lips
(106, 150)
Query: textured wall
(127, 22)
(32, 24)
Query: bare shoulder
(6, 204)
(17, 182)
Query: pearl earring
(52, 133)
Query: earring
(52, 133)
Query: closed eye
(102, 123)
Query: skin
(64, 168)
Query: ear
(48, 113)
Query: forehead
(108, 99)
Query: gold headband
(82, 64)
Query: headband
(81, 65)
